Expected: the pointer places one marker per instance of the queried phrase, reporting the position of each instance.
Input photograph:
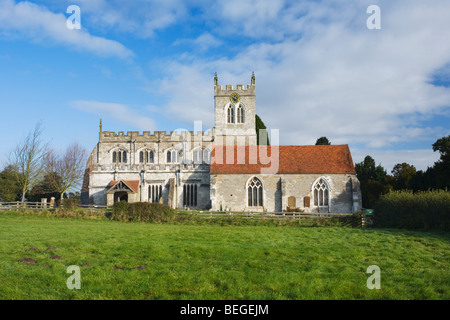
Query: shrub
(67, 207)
(429, 210)
(142, 212)
(119, 211)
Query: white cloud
(337, 78)
(202, 42)
(120, 112)
(142, 18)
(25, 19)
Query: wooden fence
(15, 206)
(267, 215)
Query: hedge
(428, 210)
(142, 212)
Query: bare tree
(27, 159)
(67, 169)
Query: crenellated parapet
(248, 90)
(156, 136)
(220, 91)
(165, 167)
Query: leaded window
(190, 195)
(119, 156)
(147, 156)
(202, 156)
(154, 193)
(172, 156)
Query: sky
(149, 65)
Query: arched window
(201, 156)
(240, 114)
(147, 156)
(172, 156)
(230, 114)
(255, 193)
(206, 156)
(119, 156)
(197, 156)
(321, 194)
(151, 156)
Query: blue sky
(149, 65)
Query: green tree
(259, 125)
(443, 146)
(403, 174)
(373, 179)
(9, 188)
(44, 189)
(368, 170)
(322, 141)
(442, 167)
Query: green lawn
(174, 261)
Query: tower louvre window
(240, 114)
(230, 114)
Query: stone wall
(229, 191)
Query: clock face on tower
(235, 97)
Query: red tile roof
(132, 184)
(292, 159)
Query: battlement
(249, 89)
(230, 87)
(157, 136)
(137, 168)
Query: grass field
(175, 261)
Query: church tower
(234, 113)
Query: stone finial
(253, 78)
(216, 82)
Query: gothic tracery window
(255, 193)
(321, 194)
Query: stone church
(223, 169)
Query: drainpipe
(177, 183)
(141, 185)
(134, 160)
